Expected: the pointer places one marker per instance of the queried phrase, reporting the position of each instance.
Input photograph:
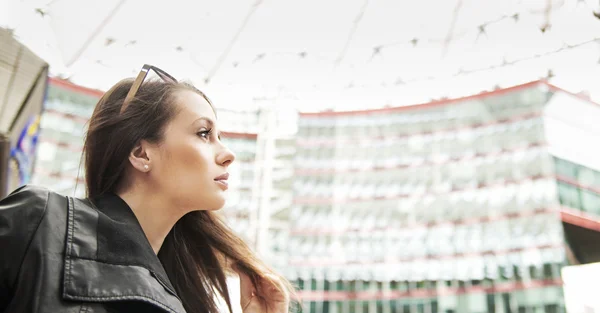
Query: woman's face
(190, 164)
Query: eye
(205, 134)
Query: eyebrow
(210, 122)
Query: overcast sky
(317, 54)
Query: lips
(222, 180)
(222, 177)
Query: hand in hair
(267, 295)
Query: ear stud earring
(146, 167)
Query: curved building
(464, 205)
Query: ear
(139, 156)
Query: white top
(233, 285)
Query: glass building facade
(578, 186)
(62, 125)
(452, 206)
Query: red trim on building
(58, 175)
(63, 144)
(427, 105)
(302, 262)
(438, 103)
(61, 83)
(579, 218)
(575, 183)
(70, 116)
(579, 96)
(457, 222)
(313, 200)
(382, 168)
(330, 200)
(425, 293)
(67, 85)
(333, 141)
(236, 135)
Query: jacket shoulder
(23, 205)
(30, 197)
(21, 212)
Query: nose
(225, 157)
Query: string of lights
(355, 25)
(377, 50)
(233, 40)
(481, 29)
(504, 63)
(462, 72)
(415, 41)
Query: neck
(152, 213)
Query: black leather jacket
(62, 254)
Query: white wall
(573, 129)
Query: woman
(146, 239)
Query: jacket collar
(109, 258)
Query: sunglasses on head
(140, 79)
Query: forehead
(193, 106)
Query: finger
(273, 286)
(246, 286)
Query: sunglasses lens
(164, 76)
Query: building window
(569, 195)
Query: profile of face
(189, 165)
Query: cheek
(191, 157)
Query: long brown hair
(200, 248)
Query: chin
(217, 204)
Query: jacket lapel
(108, 257)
